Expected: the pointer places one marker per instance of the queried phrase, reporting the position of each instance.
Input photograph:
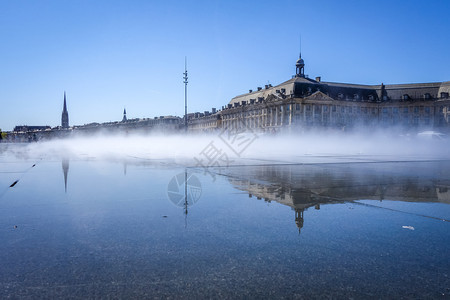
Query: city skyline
(111, 55)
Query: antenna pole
(300, 46)
(185, 93)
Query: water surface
(91, 228)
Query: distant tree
(2, 135)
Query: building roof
(301, 87)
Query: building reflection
(65, 167)
(303, 186)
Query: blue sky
(108, 55)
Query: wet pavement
(330, 227)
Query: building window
(427, 109)
(405, 97)
(416, 109)
(325, 108)
(297, 106)
(317, 108)
(385, 110)
(395, 110)
(405, 110)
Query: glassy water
(95, 228)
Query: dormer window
(283, 91)
(444, 95)
(356, 96)
(385, 98)
(371, 97)
(341, 96)
(405, 97)
(427, 96)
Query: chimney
(259, 88)
(318, 78)
(250, 91)
(266, 86)
(213, 110)
(230, 105)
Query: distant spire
(65, 105)
(65, 114)
(124, 115)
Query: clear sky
(109, 54)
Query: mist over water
(122, 216)
(282, 148)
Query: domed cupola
(300, 67)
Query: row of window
(348, 109)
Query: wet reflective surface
(91, 228)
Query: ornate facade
(304, 103)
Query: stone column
(290, 114)
(276, 115)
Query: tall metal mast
(185, 93)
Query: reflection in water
(65, 167)
(184, 190)
(304, 186)
(106, 243)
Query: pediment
(319, 96)
(271, 98)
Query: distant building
(26, 128)
(302, 103)
(65, 115)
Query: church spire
(124, 115)
(65, 114)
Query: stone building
(303, 103)
(204, 122)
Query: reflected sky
(98, 228)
